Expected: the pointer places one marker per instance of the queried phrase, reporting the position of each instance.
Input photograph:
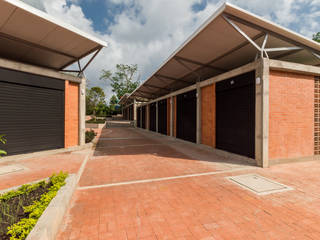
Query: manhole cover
(10, 169)
(258, 184)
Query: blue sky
(146, 32)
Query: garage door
(153, 117)
(235, 123)
(162, 116)
(32, 112)
(139, 117)
(187, 116)
(143, 121)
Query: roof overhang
(31, 36)
(230, 38)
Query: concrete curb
(49, 223)
(44, 153)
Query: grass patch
(97, 121)
(20, 209)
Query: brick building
(42, 105)
(240, 85)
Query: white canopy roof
(31, 36)
(230, 38)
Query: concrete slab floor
(174, 190)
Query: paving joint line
(135, 145)
(164, 178)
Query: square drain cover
(258, 184)
(10, 169)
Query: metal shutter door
(235, 119)
(32, 117)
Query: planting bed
(20, 209)
(96, 121)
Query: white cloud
(149, 37)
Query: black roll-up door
(235, 115)
(162, 116)
(143, 121)
(139, 117)
(187, 116)
(152, 117)
(32, 112)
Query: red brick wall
(291, 115)
(208, 115)
(168, 116)
(71, 137)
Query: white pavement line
(83, 165)
(164, 179)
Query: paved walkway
(140, 185)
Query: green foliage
(24, 189)
(316, 37)
(123, 80)
(3, 140)
(20, 230)
(95, 98)
(114, 100)
(98, 121)
(90, 135)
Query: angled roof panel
(41, 39)
(216, 47)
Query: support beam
(148, 116)
(262, 114)
(287, 54)
(200, 64)
(282, 49)
(263, 46)
(144, 92)
(171, 78)
(262, 29)
(135, 112)
(3, 35)
(82, 112)
(156, 87)
(241, 32)
(187, 67)
(242, 45)
(91, 59)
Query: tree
(94, 97)
(114, 100)
(123, 80)
(316, 37)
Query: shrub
(20, 230)
(90, 135)
(98, 121)
(3, 140)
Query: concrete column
(82, 111)
(198, 113)
(171, 116)
(135, 112)
(157, 116)
(262, 113)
